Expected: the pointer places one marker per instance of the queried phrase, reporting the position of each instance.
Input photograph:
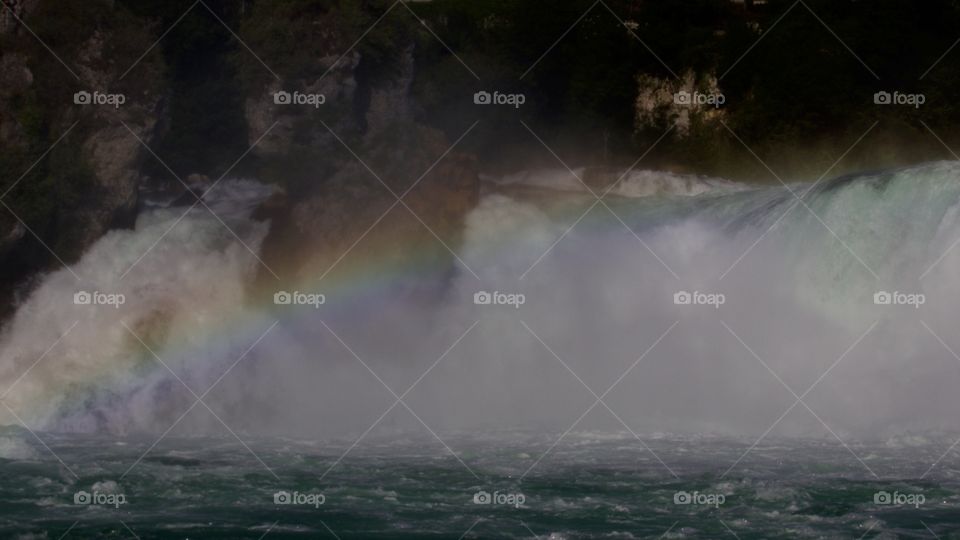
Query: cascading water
(798, 281)
(790, 360)
(179, 274)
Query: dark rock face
(317, 225)
(310, 235)
(89, 182)
(72, 167)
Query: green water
(588, 486)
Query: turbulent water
(781, 355)
(593, 486)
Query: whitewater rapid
(599, 279)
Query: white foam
(637, 183)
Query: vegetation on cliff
(51, 146)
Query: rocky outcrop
(114, 138)
(347, 105)
(297, 127)
(70, 135)
(694, 99)
(353, 220)
(15, 9)
(340, 206)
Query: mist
(598, 318)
